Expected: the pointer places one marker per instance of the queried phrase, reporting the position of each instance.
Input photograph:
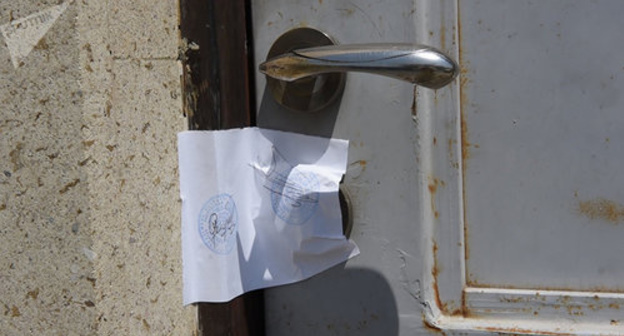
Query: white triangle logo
(22, 35)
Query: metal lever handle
(421, 65)
(305, 69)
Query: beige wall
(89, 204)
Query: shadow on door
(340, 301)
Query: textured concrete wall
(89, 205)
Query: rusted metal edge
(217, 87)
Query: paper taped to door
(260, 208)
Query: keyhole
(346, 208)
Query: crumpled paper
(260, 208)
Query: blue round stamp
(294, 196)
(218, 223)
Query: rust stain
(512, 300)
(601, 209)
(435, 272)
(463, 124)
(464, 80)
(466, 248)
(575, 310)
(563, 300)
(523, 331)
(594, 307)
(465, 155)
(433, 188)
(458, 312)
(431, 327)
(459, 36)
(69, 186)
(463, 310)
(451, 146)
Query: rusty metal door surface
(494, 205)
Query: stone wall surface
(89, 198)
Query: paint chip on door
(22, 35)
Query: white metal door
(491, 206)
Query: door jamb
(218, 93)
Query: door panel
(366, 295)
(491, 205)
(544, 122)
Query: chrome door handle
(417, 64)
(305, 68)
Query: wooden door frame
(218, 93)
